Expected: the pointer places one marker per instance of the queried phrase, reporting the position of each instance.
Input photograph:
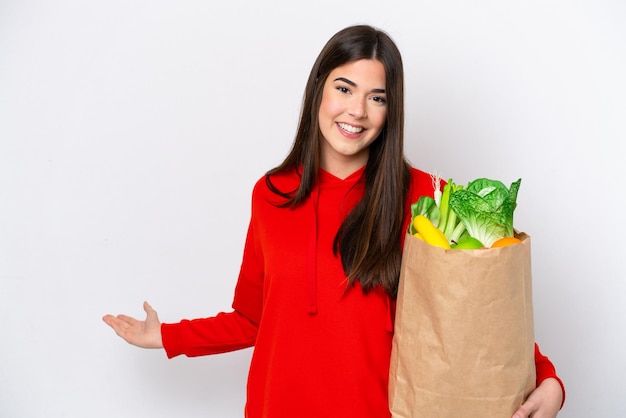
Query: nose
(357, 108)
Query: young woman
(318, 306)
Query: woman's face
(351, 115)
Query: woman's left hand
(544, 402)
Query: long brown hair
(369, 238)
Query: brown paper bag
(463, 345)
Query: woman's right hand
(144, 334)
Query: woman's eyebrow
(353, 84)
(345, 80)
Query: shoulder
(417, 174)
(423, 183)
(284, 182)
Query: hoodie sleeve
(545, 369)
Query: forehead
(368, 73)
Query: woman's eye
(343, 89)
(379, 99)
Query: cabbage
(486, 209)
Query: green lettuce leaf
(426, 206)
(486, 209)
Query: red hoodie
(320, 349)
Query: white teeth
(350, 128)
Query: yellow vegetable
(417, 235)
(429, 232)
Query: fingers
(147, 307)
(120, 324)
(119, 320)
(150, 312)
(145, 334)
(152, 319)
(115, 321)
(124, 326)
(521, 413)
(127, 319)
(528, 408)
(543, 402)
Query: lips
(349, 128)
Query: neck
(343, 168)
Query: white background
(132, 132)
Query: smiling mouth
(349, 128)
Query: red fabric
(320, 351)
(545, 369)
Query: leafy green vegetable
(449, 223)
(486, 209)
(426, 206)
(444, 207)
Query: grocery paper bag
(463, 345)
